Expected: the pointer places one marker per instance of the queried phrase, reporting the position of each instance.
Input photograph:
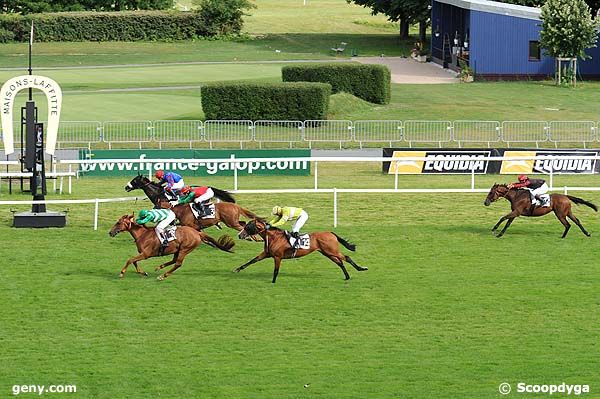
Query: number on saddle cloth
(303, 240)
(171, 233)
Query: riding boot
(296, 236)
(164, 243)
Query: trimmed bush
(109, 26)
(369, 82)
(275, 101)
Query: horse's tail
(345, 243)
(250, 214)
(223, 195)
(582, 201)
(224, 243)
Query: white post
(566, 190)
(96, 214)
(316, 175)
(55, 177)
(551, 178)
(334, 207)
(473, 177)
(70, 181)
(235, 174)
(396, 180)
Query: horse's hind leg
(338, 261)
(178, 262)
(563, 220)
(578, 223)
(169, 263)
(357, 267)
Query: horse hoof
(121, 275)
(145, 274)
(161, 277)
(236, 270)
(157, 268)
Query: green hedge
(275, 101)
(108, 26)
(369, 82)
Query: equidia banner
(434, 164)
(202, 167)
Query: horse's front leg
(257, 258)
(133, 260)
(502, 219)
(510, 220)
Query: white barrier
(316, 189)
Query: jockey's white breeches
(205, 197)
(178, 185)
(543, 189)
(160, 227)
(300, 222)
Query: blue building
(497, 40)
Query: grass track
(446, 310)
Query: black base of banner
(38, 220)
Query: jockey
(537, 188)
(199, 195)
(173, 181)
(163, 218)
(283, 214)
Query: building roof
(495, 7)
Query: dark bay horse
(148, 244)
(277, 247)
(226, 212)
(520, 202)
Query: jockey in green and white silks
(162, 218)
(283, 214)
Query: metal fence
(409, 132)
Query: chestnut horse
(148, 244)
(520, 201)
(277, 247)
(226, 212)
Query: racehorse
(277, 247)
(148, 244)
(226, 212)
(520, 201)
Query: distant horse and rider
(149, 245)
(525, 203)
(227, 212)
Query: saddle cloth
(304, 240)
(545, 201)
(170, 233)
(209, 211)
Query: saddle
(203, 211)
(303, 240)
(543, 201)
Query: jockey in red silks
(199, 195)
(538, 189)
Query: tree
(406, 11)
(223, 17)
(567, 31)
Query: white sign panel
(7, 98)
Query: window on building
(535, 53)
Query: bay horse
(276, 246)
(227, 212)
(148, 245)
(520, 202)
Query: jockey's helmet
(277, 210)
(186, 190)
(523, 178)
(143, 213)
(159, 174)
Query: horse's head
(253, 227)
(496, 192)
(123, 224)
(138, 182)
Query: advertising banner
(202, 167)
(434, 165)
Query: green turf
(446, 309)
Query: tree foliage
(38, 6)
(406, 11)
(224, 14)
(567, 28)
